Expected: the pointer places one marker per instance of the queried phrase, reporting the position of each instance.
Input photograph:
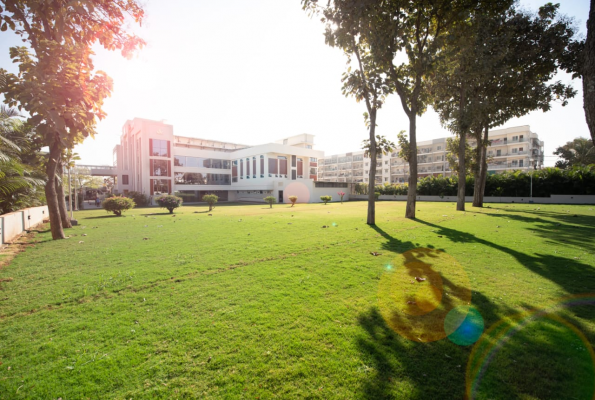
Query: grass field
(261, 303)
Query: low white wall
(554, 199)
(15, 223)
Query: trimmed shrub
(326, 199)
(117, 205)
(170, 202)
(270, 200)
(293, 199)
(140, 199)
(211, 199)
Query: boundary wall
(15, 223)
(553, 199)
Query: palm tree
(578, 152)
(19, 182)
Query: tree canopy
(579, 152)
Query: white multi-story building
(150, 159)
(511, 149)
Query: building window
(159, 186)
(124, 179)
(282, 165)
(313, 159)
(300, 167)
(386, 163)
(308, 146)
(159, 148)
(160, 168)
(180, 161)
(254, 166)
(262, 166)
(247, 168)
(197, 178)
(366, 164)
(273, 169)
(438, 147)
(234, 171)
(514, 151)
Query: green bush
(141, 199)
(211, 199)
(117, 205)
(326, 199)
(170, 202)
(270, 200)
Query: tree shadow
(106, 216)
(565, 272)
(155, 214)
(558, 228)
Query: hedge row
(547, 181)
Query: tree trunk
(210, 207)
(372, 173)
(484, 163)
(477, 170)
(588, 72)
(50, 193)
(60, 197)
(462, 143)
(412, 188)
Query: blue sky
(255, 72)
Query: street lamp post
(531, 160)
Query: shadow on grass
(570, 274)
(396, 367)
(154, 214)
(106, 216)
(566, 228)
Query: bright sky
(255, 72)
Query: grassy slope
(258, 303)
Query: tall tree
(515, 56)
(588, 72)
(56, 83)
(578, 152)
(363, 80)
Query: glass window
(282, 165)
(160, 186)
(248, 167)
(226, 164)
(160, 148)
(197, 178)
(216, 163)
(124, 179)
(159, 168)
(180, 161)
(273, 166)
(191, 162)
(313, 159)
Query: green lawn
(253, 302)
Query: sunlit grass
(257, 302)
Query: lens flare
(504, 332)
(417, 293)
(463, 325)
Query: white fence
(15, 223)
(553, 199)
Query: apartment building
(510, 149)
(150, 159)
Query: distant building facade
(152, 160)
(510, 149)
